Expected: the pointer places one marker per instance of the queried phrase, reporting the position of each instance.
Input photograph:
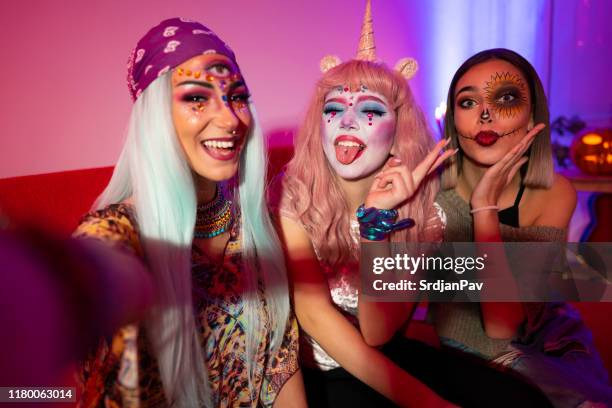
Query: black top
(510, 216)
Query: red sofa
(56, 201)
(53, 201)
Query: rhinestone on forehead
(208, 77)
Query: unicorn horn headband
(367, 49)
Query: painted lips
(486, 138)
(348, 149)
(221, 148)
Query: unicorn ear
(407, 67)
(328, 62)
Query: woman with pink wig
(360, 141)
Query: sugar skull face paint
(492, 110)
(210, 114)
(357, 131)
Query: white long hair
(153, 170)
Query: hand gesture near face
(396, 183)
(498, 176)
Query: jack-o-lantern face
(592, 151)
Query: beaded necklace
(214, 217)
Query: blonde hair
(310, 189)
(540, 165)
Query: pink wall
(64, 98)
(65, 103)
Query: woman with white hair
(220, 332)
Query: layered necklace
(214, 217)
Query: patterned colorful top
(121, 372)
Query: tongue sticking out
(347, 154)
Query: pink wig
(311, 191)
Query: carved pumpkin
(592, 151)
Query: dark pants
(339, 389)
(462, 379)
(458, 378)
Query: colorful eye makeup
(506, 93)
(195, 94)
(215, 75)
(198, 101)
(240, 99)
(373, 108)
(368, 108)
(333, 107)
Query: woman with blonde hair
(499, 187)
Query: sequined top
(123, 372)
(343, 282)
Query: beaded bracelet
(376, 225)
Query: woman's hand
(498, 176)
(396, 183)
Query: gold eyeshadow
(506, 84)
